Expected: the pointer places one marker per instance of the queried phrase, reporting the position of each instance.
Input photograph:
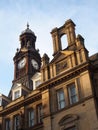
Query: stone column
(56, 40)
(12, 122)
(84, 54)
(46, 73)
(70, 31)
(78, 57)
(73, 60)
(51, 71)
(54, 70)
(46, 110)
(46, 102)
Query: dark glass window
(31, 118)
(73, 97)
(40, 113)
(7, 124)
(60, 99)
(16, 122)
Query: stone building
(60, 94)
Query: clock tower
(27, 60)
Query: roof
(27, 30)
(94, 57)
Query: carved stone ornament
(69, 121)
(61, 66)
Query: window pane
(74, 99)
(31, 118)
(62, 104)
(61, 99)
(73, 90)
(16, 122)
(40, 113)
(7, 125)
(17, 94)
(61, 95)
(72, 93)
(37, 83)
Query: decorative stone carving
(69, 121)
(61, 66)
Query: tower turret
(27, 60)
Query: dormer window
(16, 91)
(36, 80)
(19, 90)
(17, 94)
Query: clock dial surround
(21, 63)
(34, 64)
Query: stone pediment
(61, 55)
(16, 85)
(20, 86)
(36, 75)
(68, 118)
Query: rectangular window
(16, 122)
(40, 113)
(17, 94)
(60, 99)
(31, 118)
(37, 83)
(7, 125)
(73, 97)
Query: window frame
(37, 82)
(72, 95)
(39, 113)
(69, 121)
(60, 101)
(7, 124)
(16, 122)
(15, 97)
(30, 119)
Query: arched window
(64, 42)
(69, 122)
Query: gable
(16, 85)
(61, 55)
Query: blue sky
(43, 16)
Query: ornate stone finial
(27, 25)
(17, 49)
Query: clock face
(35, 64)
(22, 63)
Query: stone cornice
(64, 76)
(20, 102)
(35, 96)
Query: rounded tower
(27, 60)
